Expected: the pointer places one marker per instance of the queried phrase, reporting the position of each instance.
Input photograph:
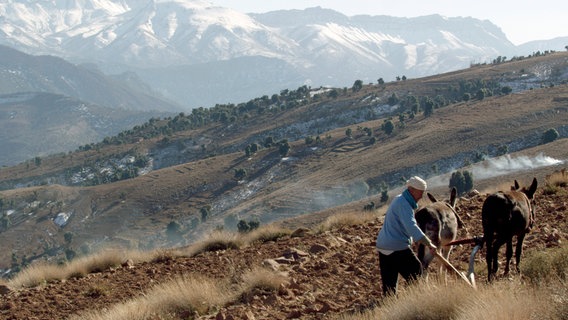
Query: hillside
(329, 271)
(189, 177)
(35, 124)
(21, 72)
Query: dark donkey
(506, 214)
(440, 222)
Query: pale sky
(520, 20)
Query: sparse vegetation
(439, 299)
(218, 240)
(183, 295)
(42, 273)
(266, 233)
(346, 219)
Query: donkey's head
(450, 204)
(530, 192)
(439, 221)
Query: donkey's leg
(496, 246)
(518, 251)
(509, 255)
(446, 254)
(489, 254)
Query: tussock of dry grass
(559, 178)
(434, 300)
(40, 273)
(544, 296)
(346, 219)
(556, 182)
(509, 300)
(188, 295)
(181, 295)
(37, 274)
(262, 278)
(544, 267)
(218, 240)
(265, 234)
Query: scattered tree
(384, 195)
(388, 127)
(283, 148)
(68, 236)
(174, 231)
(268, 142)
(428, 107)
(462, 181)
(357, 86)
(506, 90)
(240, 174)
(205, 213)
(393, 99)
(550, 135)
(244, 226)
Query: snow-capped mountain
(198, 54)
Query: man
(397, 234)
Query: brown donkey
(440, 222)
(506, 214)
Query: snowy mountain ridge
(198, 54)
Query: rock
(300, 232)
(283, 260)
(271, 264)
(4, 290)
(128, 264)
(295, 254)
(294, 314)
(317, 248)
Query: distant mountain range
(198, 55)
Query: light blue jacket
(399, 228)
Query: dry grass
(262, 278)
(510, 300)
(346, 219)
(184, 295)
(215, 241)
(435, 300)
(37, 274)
(555, 182)
(188, 296)
(544, 296)
(542, 268)
(271, 232)
(41, 273)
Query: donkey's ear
(431, 197)
(517, 186)
(532, 188)
(453, 196)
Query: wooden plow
(470, 278)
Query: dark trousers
(403, 262)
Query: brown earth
(329, 273)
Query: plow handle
(449, 265)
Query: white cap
(416, 183)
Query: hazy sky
(520, 20)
